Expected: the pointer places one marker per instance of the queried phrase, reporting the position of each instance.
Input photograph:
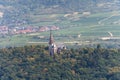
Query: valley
(75, 28)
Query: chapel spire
(52, 45)
(51, 39)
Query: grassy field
(89, 27)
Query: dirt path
(105, 19)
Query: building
(4, 30)
(53, 47)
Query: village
(5, 30)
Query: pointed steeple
(51, 39)
(52, 45)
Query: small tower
(52, 45)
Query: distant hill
(17, 12)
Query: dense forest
(34, 63)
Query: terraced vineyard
(89, 28)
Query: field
(77, 28)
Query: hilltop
(34, 63)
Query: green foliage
(34, 63)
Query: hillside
(82, 22)
(34, 63)
(19, 12)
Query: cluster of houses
(4, 30)
(24, 30)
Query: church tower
(52, 45)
